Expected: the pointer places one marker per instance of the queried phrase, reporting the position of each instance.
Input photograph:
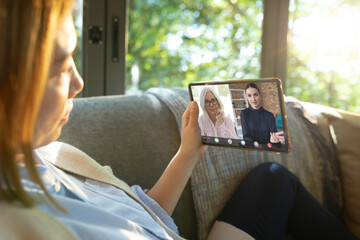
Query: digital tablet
(248, 114)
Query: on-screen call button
(269, 145)
(229, 141)
(216, 140)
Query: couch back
(137, 136)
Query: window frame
(104, 76)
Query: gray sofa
(138, 135)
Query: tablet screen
(248, 114)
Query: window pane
(78, 20)
(323, 56)
(172, 43)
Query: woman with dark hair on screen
(213, 121)
(258, 125)
(50, 190)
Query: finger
(279, 133)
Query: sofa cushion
(342, 128)
(219, 172)
(345, 130)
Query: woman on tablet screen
(213, 121)
(258, 124)
(65, 194)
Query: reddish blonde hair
(27, 35)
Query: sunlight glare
(331, 36)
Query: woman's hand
(277, 137)
(167, 191)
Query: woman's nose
(76, 83)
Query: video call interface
(242, 114)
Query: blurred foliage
(310, 82)
(172, 43)
(181, 41)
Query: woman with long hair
(258, 124)
(38, 80)
(213, 122)
(50, 190)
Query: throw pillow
(345, 131)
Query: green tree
(177, 42)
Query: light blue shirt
(97, 210)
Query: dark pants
(272, 200)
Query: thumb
(194, 113)
(186, 116)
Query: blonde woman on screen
(73, 197)
(213, 122)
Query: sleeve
(155, 207)
(273, 128)
(245, 130)
(272, 122)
